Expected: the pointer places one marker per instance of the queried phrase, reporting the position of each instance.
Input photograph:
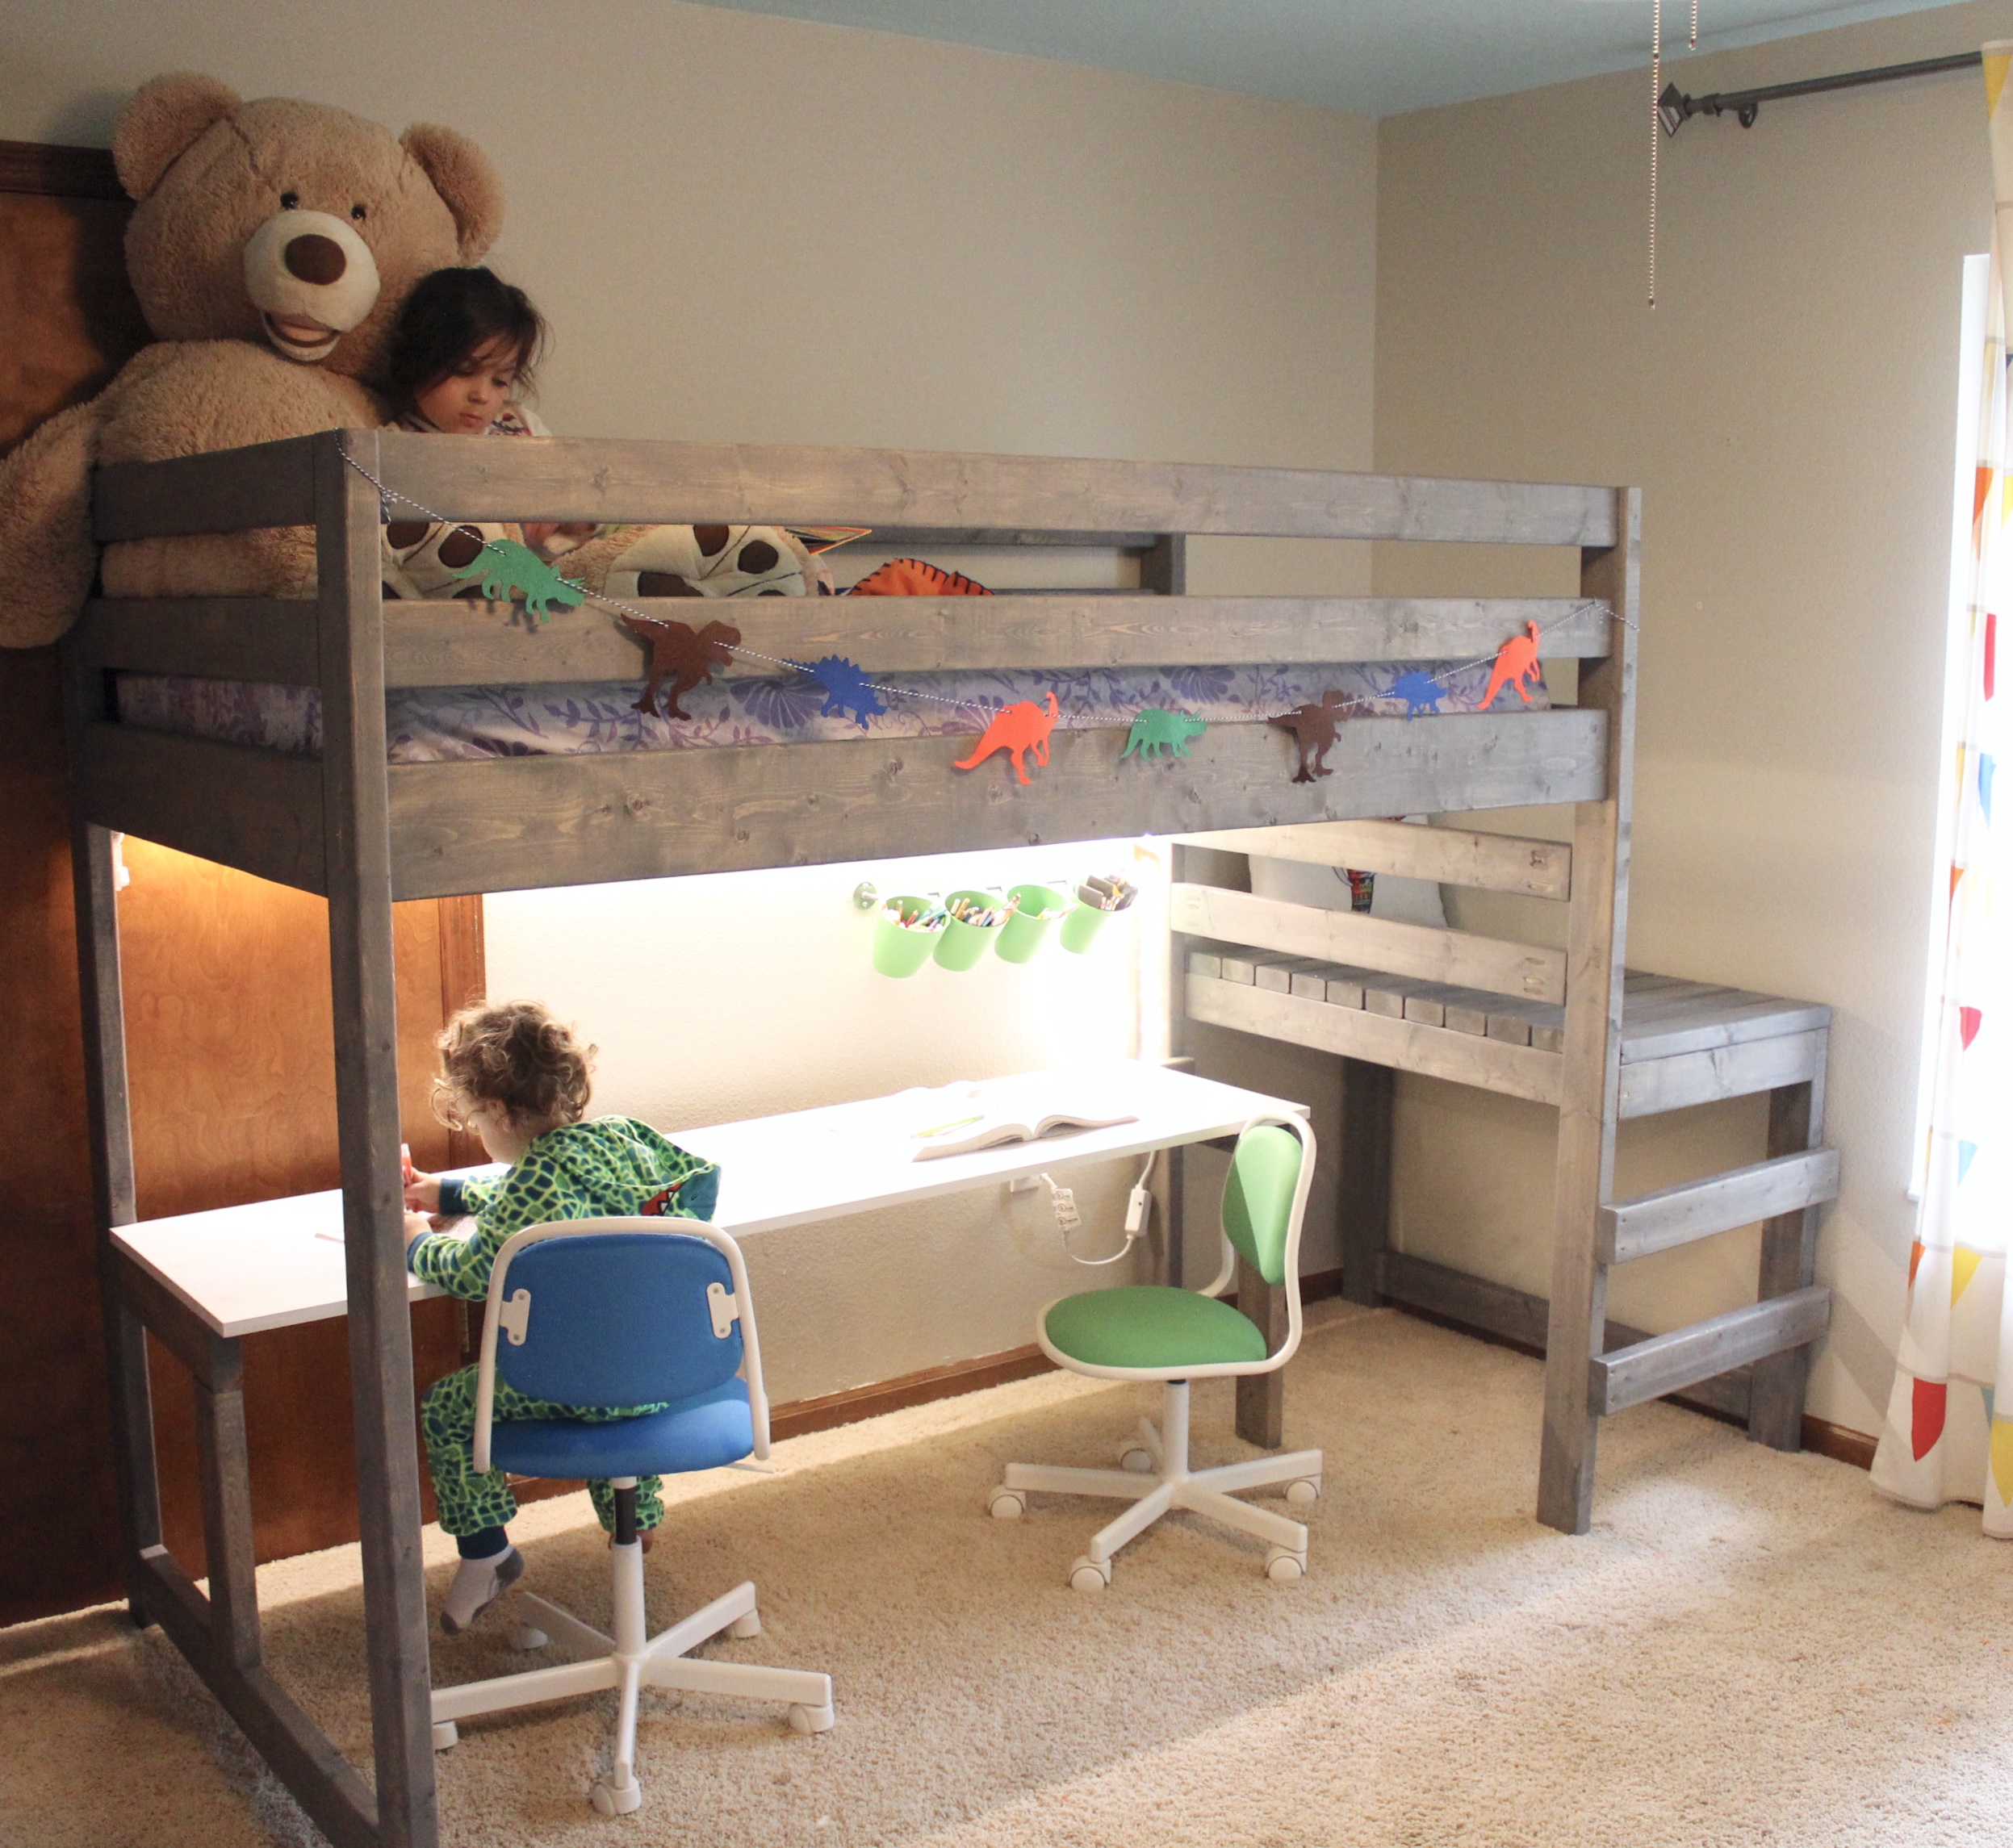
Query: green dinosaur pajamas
(614, 1167)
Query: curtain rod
(1675, 109)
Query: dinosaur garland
(1159, 732)
(1019, 729)
(685, 656)
(508, 567)
(849, 692)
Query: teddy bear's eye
(359, 213)
(289, 201)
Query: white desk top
(277, 1262)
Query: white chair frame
(1154, 1473)
(630, 1660)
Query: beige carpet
(1747, 1649)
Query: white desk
(240, 1270)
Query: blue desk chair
(1151, 1332)
(627, 1312)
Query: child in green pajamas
(519, 1079)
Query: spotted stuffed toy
(715, 561)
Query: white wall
(1789, 410)
(754, 229)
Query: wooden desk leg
(1789, 1262)
(1363, 1191)
(1261, 1397)
(1173, 1258)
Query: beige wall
(1789, 411)
(753, 228)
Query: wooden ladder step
(1698, 1209)
(1669, 1363)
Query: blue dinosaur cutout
(508, 567)
(848, 694)
(1420, 693)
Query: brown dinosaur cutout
(1516, 662)
(1021, 728)
(1313, 730)
(687, 658)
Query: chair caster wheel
(1284, 1568)
(446, 1735)
(812, 1719)
(1305, 1493)
(1139, 1459)
(527, 1636)
(741, 1627)
(610, 1801)
(1089, 1575)
(1006, 1505)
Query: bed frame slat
(453, 644)
(699, 481)
(266, 484)
(223, 638)
(259, 811)
(503, 824)
(1453, 856)
(1428, 953)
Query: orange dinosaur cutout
(1313, 730)
(1019, 729)
(1515, 663)
(686, 658)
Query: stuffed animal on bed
(272, 245)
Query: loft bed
(363, 832)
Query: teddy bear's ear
(467, 178)
(161, 123)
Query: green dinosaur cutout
(508, 567)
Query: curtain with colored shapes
(1947, 1436)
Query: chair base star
(631, 1661)
(1154, 1477)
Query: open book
(980, 1116)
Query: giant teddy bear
(271, 246)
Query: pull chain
(1657, 126)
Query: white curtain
(1947, 1437)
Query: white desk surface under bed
(274, 1263)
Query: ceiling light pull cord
(1656, 87)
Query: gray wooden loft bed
(363, 832)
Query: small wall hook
(865, 896)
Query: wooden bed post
(114, 1199)
(1789, 1263)
(356, 827)
(1590, 1099)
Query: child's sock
(479, 1582)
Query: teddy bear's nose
(314, 258)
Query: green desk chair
(1151, 1332)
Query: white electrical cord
(1138, 1204)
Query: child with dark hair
(461, 357)
(520, 1080)
(464, 350)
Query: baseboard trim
(1839, 1442)
(831, 1410)
(952, 1381)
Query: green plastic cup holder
(961, 944)
(901, 942)
(1080, 929)
(1035, 909)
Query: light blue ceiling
(1376, 57)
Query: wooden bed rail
(453, 644)
(272, 484)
